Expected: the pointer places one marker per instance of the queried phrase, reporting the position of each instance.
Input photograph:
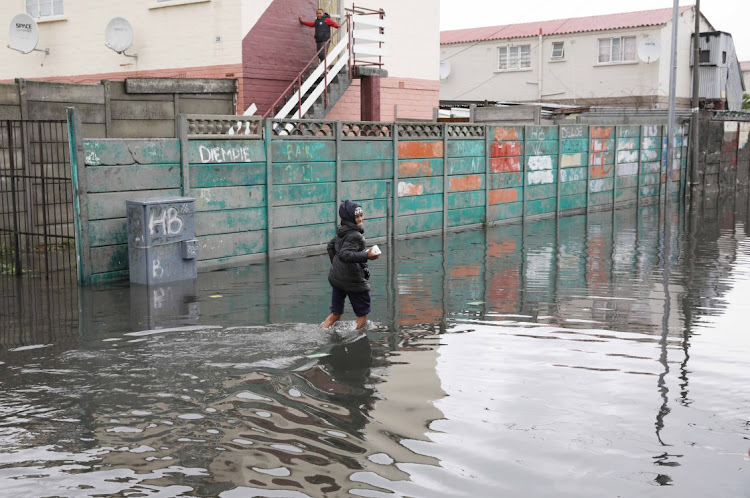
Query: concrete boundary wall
(277, 194)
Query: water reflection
(603, 348)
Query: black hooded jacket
(348, 259)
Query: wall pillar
(370, 99)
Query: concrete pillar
(370, 99)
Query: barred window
(514, 57)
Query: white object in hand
(375, 250)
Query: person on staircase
(322, 24)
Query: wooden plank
(141, 109)
(372, 189)
(226, 151)
(112, 204)
(305, 214)
(227, 246)
(117, 152)
(287, 195)
(230, 221)
(420, 168)
(218, 198)
(108, 232)
(286, 173)
(468, 216)
(227, 175)
(303, 236)
(465, 148)
(465, 165)
(366, 150)
(133, 177)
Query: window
(558, 50)
(704, 56)
(514, 57)
(618, 49)
(44, 8)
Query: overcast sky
(732, 16)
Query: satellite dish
(118, 35)
(649, 50)
(445, 69)
(23, 33)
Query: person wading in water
(322, 24)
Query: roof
(607, 22)
(744, 66)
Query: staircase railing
(298, 98)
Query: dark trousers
(319, 45)
(360, 302)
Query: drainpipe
(695, 121)
(541, 60)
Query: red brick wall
(415, 99)
(275, 50)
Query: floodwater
(607, 356)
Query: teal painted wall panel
(534, 192)
(465, 148)
(303, 236)
(628, 131)
(229, 245)
(626, 194)
(108, 232)
(366, 170)
(601, 185)
(462, 200)
(226, 151)
(575, 146)
(651, 143)
(230, 221)
(420, 204)
(628, 144)
(505, 180)
(116, 152)
(541, 133)
(227, 175)
(601, 158)
(574, 132)
(376, 227)
(506, 133)
(601, 198)
(218, 198)
(306, 214)
(545, 148)
(574, 188)
(468, 216)
(536, 163)
(295, 151)
(574, 160)
(541, 206)
(109, 205)
(651, 167)
(573, 174)
(366, 150)
(465, 183)
(650, 155)
(372, 189)
(303, 173)
(509, 211)
(651, 179)
(372, 208)
(415, 168)
(650, 191)
(568, 202)
(132, 177)
(466, 165)
(420, 223)
(627, 181)
(420, 186)
(109, 258)
(287, 195)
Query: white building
(618, 59)
(260, 43)
(745, 68)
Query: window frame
(162, 4)
(521, 64)
(560, 57)
(52, 16)
(621, 50)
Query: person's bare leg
(361, 321)
(330, 320)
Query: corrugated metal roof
(561, 26)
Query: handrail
(298, 80)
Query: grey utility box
(161, 240)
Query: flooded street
(606, 355)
